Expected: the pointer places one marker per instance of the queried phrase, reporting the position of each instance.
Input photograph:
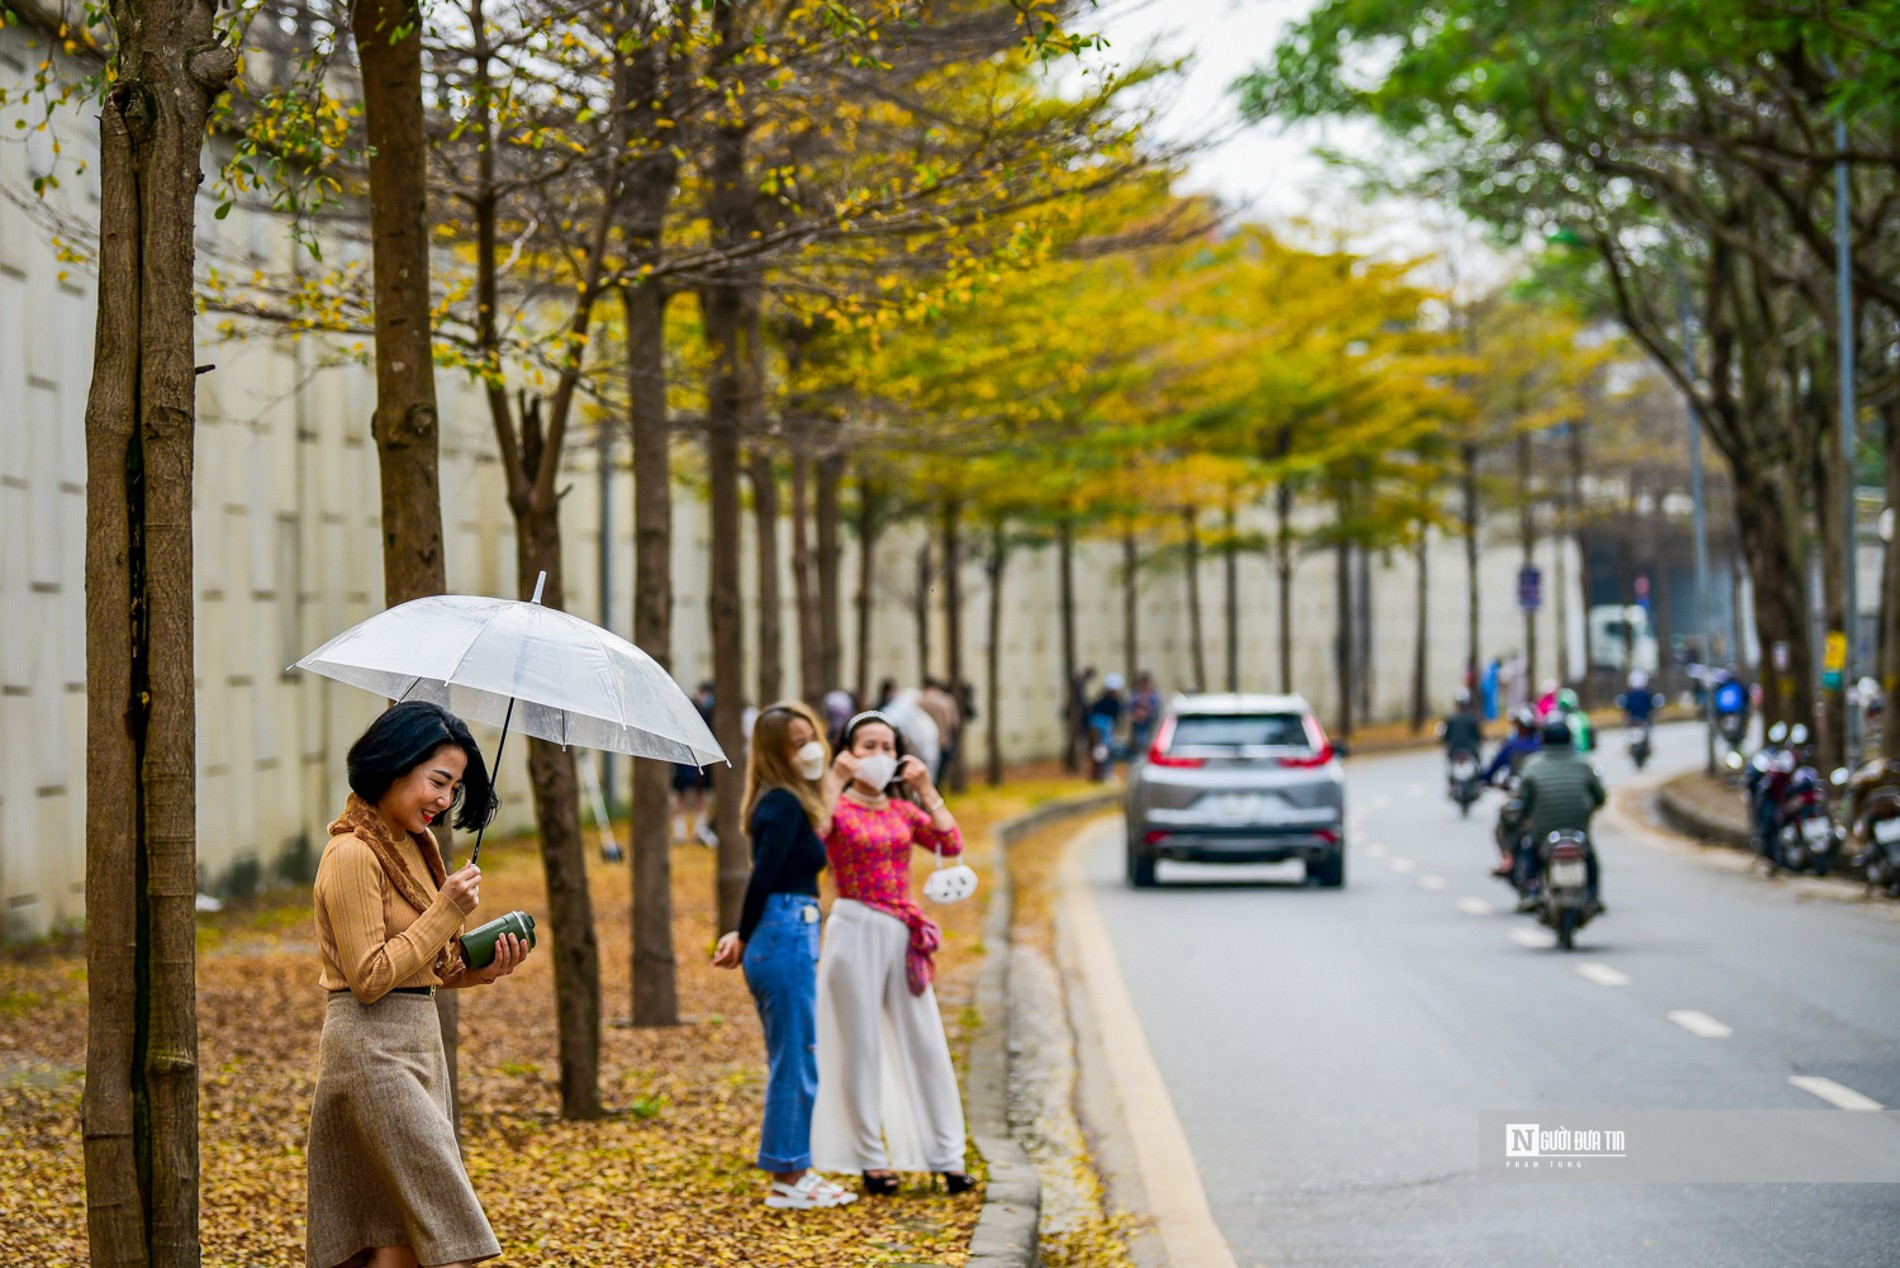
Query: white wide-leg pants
(887, 1093)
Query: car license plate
(1887, 831)
(1816, 830)
(1569, 875)
(1240, 807)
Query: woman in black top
(787, 810)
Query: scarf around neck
(360, 820)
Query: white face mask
(809, 761)
(876, 770)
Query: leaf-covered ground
(665, 1180)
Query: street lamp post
(1701, 522)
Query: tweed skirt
(383, 1167)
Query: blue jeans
(781, 968)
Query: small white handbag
(951, 884)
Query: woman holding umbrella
(386, 1184)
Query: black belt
(395, 990)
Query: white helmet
(1114, 682)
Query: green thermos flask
(478, 944)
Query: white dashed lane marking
(1474, 906)
(1431, 882)
(1531, 938)
(1700, 1024)
(1375, 850)
(1835, 1094)
(1401, 865)
(1603, 974)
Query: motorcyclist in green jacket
(1560, 792)
(1582, 735)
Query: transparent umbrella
(521, 665)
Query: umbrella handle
(501, 746)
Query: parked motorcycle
(1807, 838)
(1462, 778)
(1563, 902)
(1874, 794)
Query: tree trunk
(1283, 575)
(920, 609)
(729, 302)
(993, 653)
(1890, 600)
(1342, 604)
(139, 1111)
(811, 675)
(1527, 535)
(1231, 551)
(1131, 607)
(1420, 649)
(649, 192)
(952, 514)
(765, 513)
(830, 472)
(1072, 724)
(1362, 634)
(1196, 647)
(557, 813)
(1468, 478)
(869, 527)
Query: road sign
(1530, 586)
(1835, 658)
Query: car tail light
(1328, 836)
(1152, 837)
(1158, 751)
(1322, 747)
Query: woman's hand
(913, 772)
(843, 768)
(730, 952)
(464, 888)
(510, 951)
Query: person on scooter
(1638, 701)
(1523, 741)
(1461, 729)
(1582, 735)
(1560, 792)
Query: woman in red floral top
(887, 1093)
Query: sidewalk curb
(1006, 1231)
(1694, 822)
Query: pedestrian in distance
(887, 1092)
(788, 797)
(1144, 710)
(692, 785)
(942, 706)
(1105, 717)
(385, 1182)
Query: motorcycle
(1563, 902)
(1510, 842)
(1875, 793)
(1462, 777)
(1807, 837)
(1733, 728)
(1639, 743)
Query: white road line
(1401, 865)
(1834, 1093)
(1375, 850)
(1415, 790)
(1531, 938)
(1380, 802)
(1700, 1024)
(1603, 974)
(1474, 906)
(1169, 1177)
(1433, 883)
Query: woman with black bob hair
(385, 1179)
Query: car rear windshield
(1248, 730)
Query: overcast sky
(1269, 170)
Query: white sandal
(811, 1191)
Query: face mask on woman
(809, 761)
(876, 770)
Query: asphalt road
(1328, 1052)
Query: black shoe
(956, 1182)
(880, 1186)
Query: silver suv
(1238, 779)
